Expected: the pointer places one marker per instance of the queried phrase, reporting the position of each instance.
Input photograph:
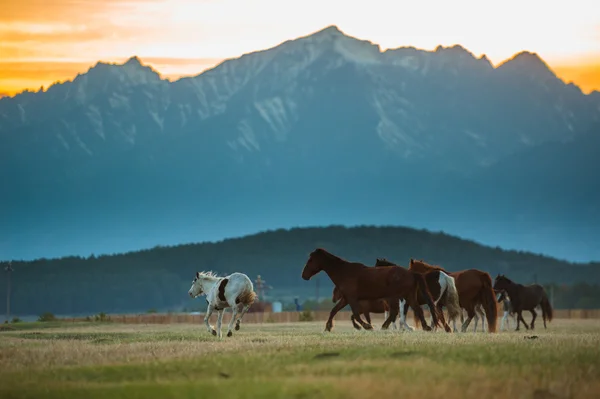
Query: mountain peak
(528, 62)
(134, 61)
(329, 30)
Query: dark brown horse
(366, 308)
(357, 282)
(525, 297)
(443, 291)
(474, 287)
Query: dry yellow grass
(298, 360)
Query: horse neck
(512, 289)
(422, 268)
(334, 268)
(208, 282)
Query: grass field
(93, 360)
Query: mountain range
(322, 129)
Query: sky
(44, 41)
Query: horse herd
(390, 289)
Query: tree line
(159, 278)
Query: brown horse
(366, 307)
(525, 297)
(474, 287)
(358, 282)
(443, 290)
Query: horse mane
(385, 261)
(324, 253)
(208, 275)
(502, 276)
(433, 267)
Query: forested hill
(159, 278)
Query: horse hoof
(237, 327)
(214, 332)
(229, 334)
(368, 327)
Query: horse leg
(431, 317)
(354, 305)
(521, 320)
(403, 312)
(504, 319)
(386, 314)
(220, 322)
(241, 314)
(209, 312)
(234, 311)
(354, 323)
(443, 319)
(479, 311)
(394, 309)
(462, 319)
(414, 304)
(338, 306)
(367, 317)
(470, 315)
(534, 314)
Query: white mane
(208, 275)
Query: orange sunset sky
(43, 41)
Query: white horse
(447, 284)
(234, 291)
(507, 307)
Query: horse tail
(246, 298)
(488, 299)
(546, 307)
(452, 300)
(422, 285)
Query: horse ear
(197, 274)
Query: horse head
(196, 288)
(313, 264)
(501, 283)
(500, 295)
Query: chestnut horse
(357, 281)
(474, 287)
(443, 290)
(366, 307)
(525, 297)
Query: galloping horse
(443, 290)
(366, 307)
(234, 291)
(357, 281)
(525, 297)
(474, 287)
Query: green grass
(107, 360)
